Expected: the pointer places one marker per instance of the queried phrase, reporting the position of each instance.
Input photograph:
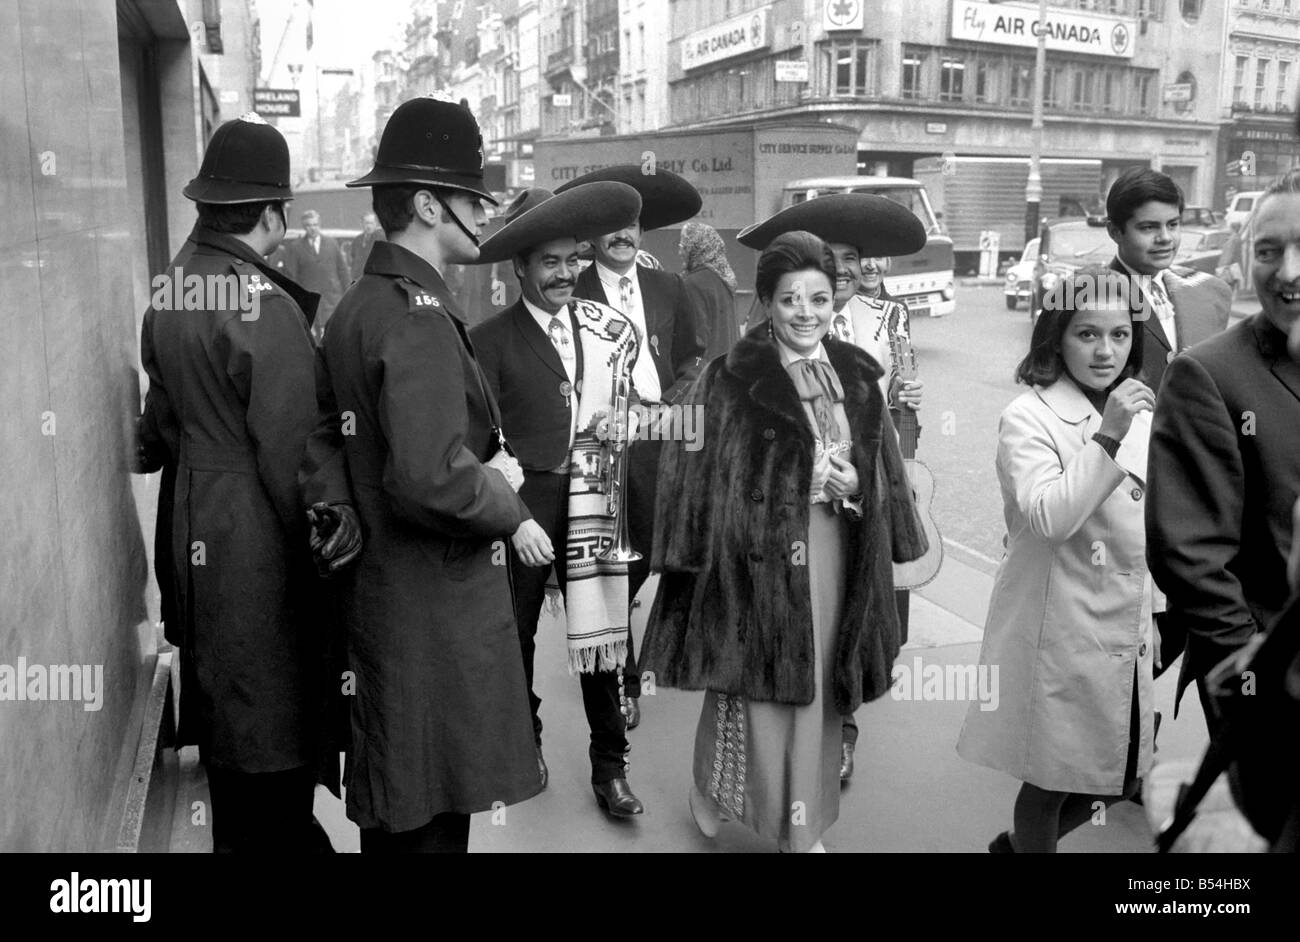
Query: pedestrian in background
(316, 262)
(783, 610)
(711, 287)
(360, 248)
(1069, 621)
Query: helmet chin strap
(452, 213)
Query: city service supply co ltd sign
(748, 32)
(1067, 30)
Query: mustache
(557, 284)
(614, 242)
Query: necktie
(841, 327)
(624, 293)
(1159, 297)
(560, 338)
(817, 383)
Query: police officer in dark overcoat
(441, 726)
(231, 401)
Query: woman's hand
(1125, 401)
(842, 482)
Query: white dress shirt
(570, 362)
(645, 376)
(1164, 311)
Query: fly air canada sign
(1067, 30)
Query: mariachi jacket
(734, 608)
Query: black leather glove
(335, 536)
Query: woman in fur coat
(775, 542)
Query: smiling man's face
(1276, 271)
(1149, 240)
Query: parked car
(1071, 244)
(1201, 248)
(1241, 206)
(1020, 276)
(1201, 216)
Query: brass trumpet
(615, 461)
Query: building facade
(643, 65)
(1127, 81)
(1258, 92)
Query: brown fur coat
(734, 609)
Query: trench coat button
(1136, 493)
(769, 434)
(1142, 649)
(756, 496)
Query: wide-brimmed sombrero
(666, 198)
(582, 212)
(876, 226)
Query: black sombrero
(666, 198)
(875, 225)
(583, 212)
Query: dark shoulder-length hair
(1043, 365)
(791, 252)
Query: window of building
(952, 78)
(1083, 89)
(1052, 76)
(847, 67)
(1283, 95)
(1111, 95)
(1191, 10)
(985, 80)
(1261, 83)
(640, 46)
(1239, 80)
(1143, 102)
(1151, 9)
(913, 72)
(1022, 83)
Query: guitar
(921, 571)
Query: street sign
(791, 70)
(1178, 92)
(282, 102)
(561, 101)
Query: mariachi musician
(553, 363)
(859, 228)
(672, 353)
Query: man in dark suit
(1143, 211)
(440, 724)
(1179, 307)
(359, 250)
(672, 348)
(316, 262)
(533, 358)
(1225, 459)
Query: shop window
(952, 79)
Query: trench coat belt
(207, 456)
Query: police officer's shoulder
(493, 328)
(420, 300)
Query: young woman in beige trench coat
(1069, 622)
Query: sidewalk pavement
(910, 792)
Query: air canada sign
(1066, 30)
(734, 37)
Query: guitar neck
(909, 430)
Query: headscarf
(702, 248)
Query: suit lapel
(541, 344)
(1272, 346)
(1147, 318)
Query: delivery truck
(971, 195)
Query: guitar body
(921, 571)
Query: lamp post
(1034, 188)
